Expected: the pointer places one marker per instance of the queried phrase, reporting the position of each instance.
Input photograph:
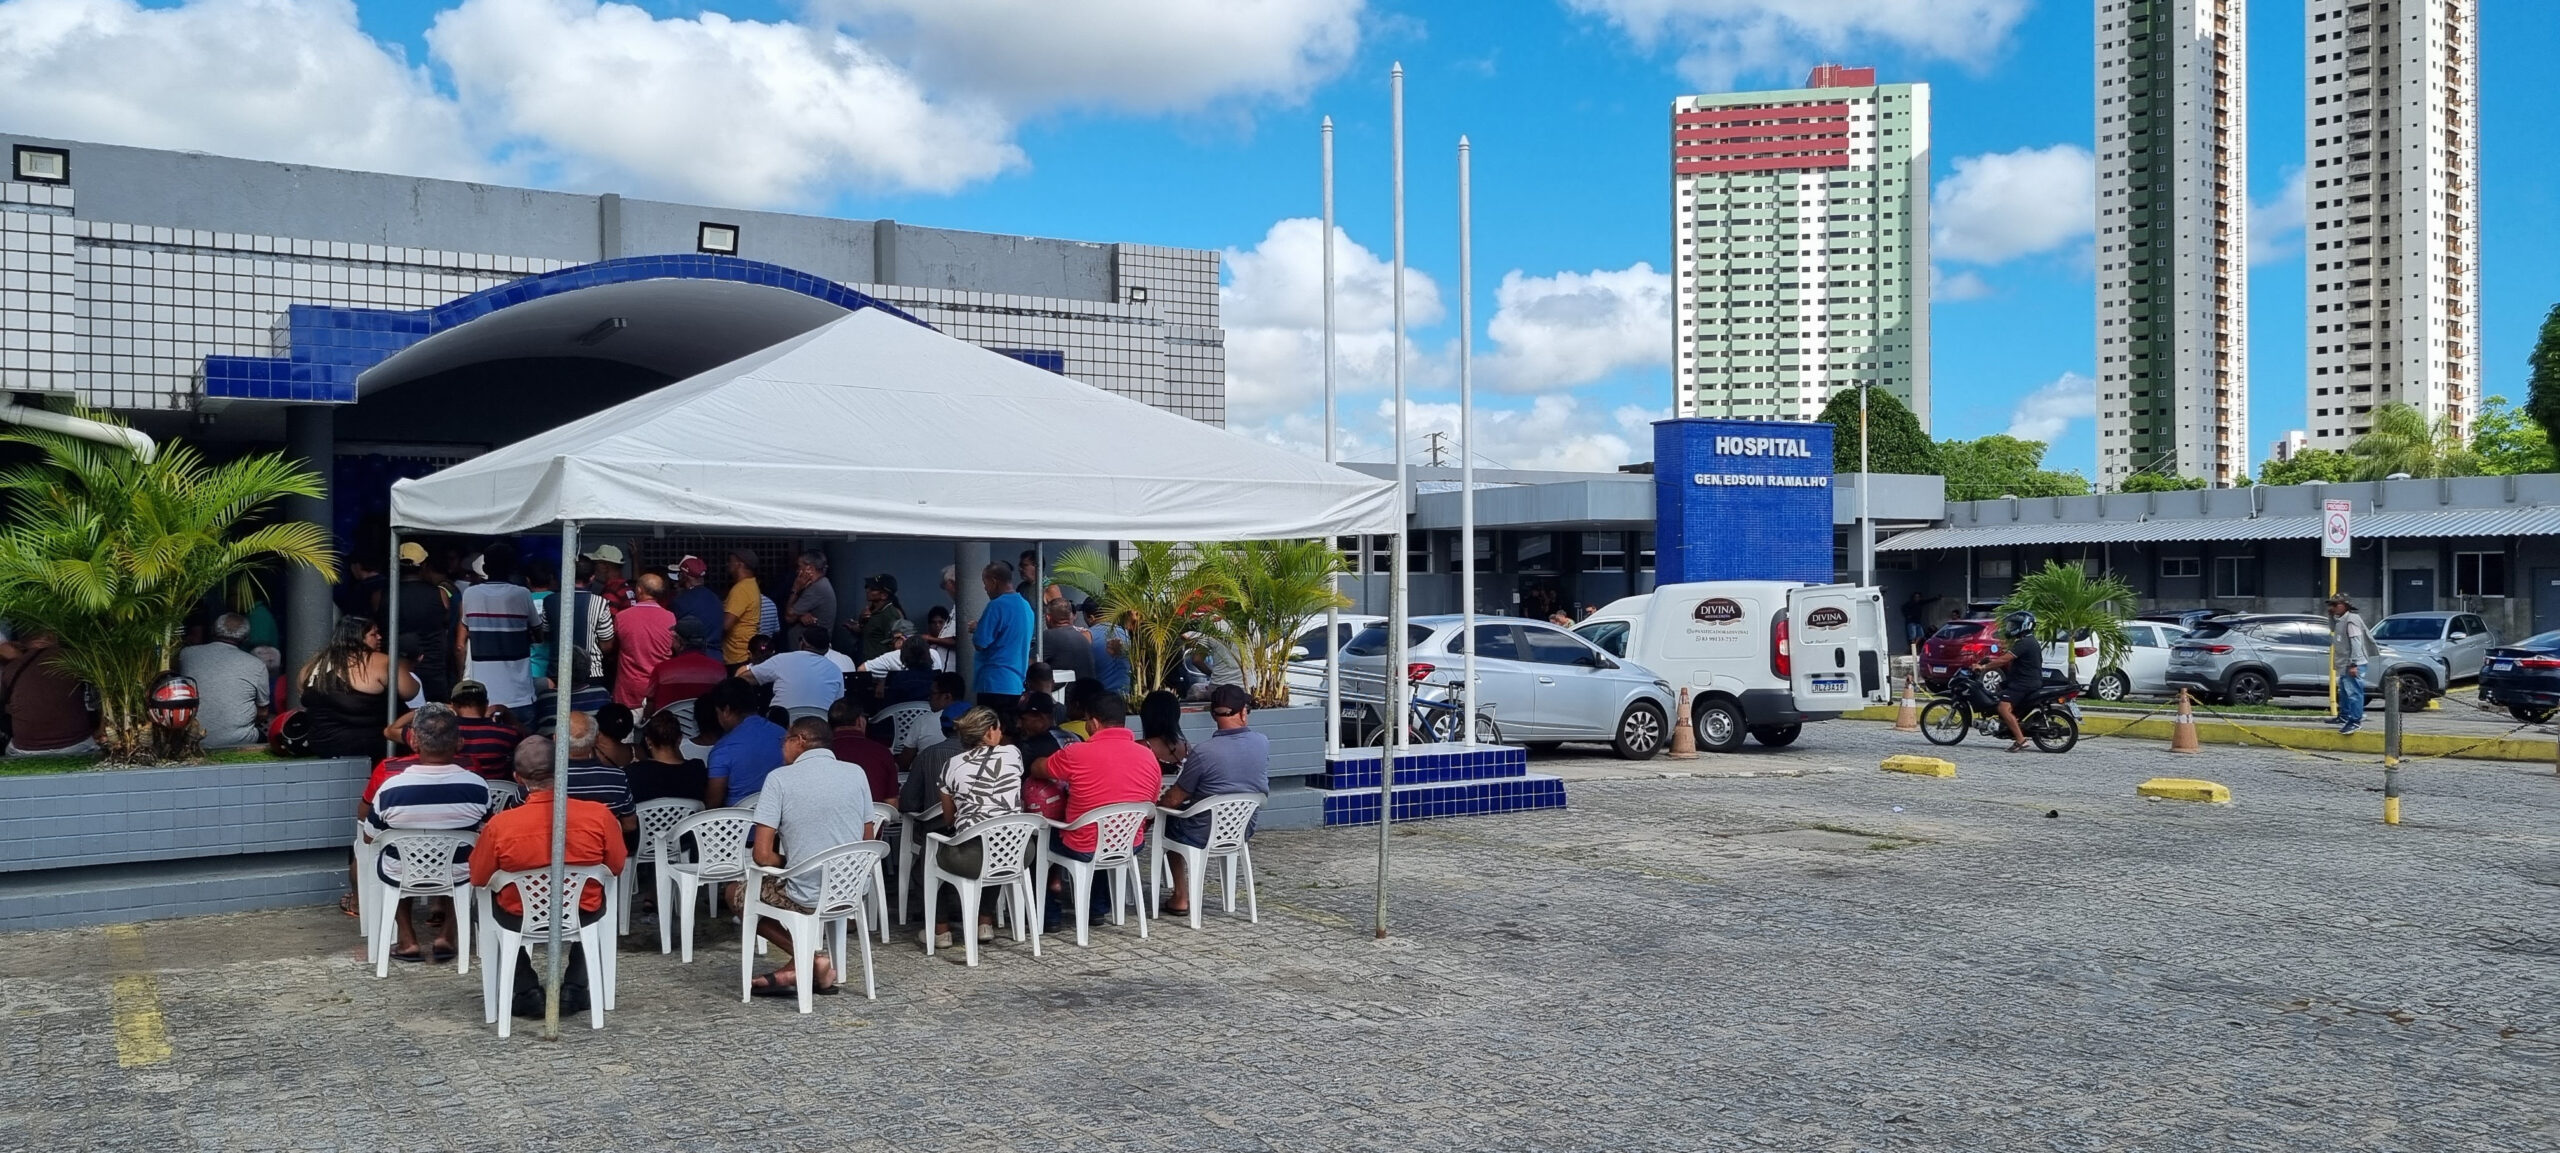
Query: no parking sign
(2336, 532)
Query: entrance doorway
(2413, 590)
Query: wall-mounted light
(716, 239)
(603, 331)
(1137, 294)
(43, 165)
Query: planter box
(1297, 759)
(133, 844)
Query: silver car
(2251, 660)
(1546, 686)
(2457, 641)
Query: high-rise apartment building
(2173, 239)
(2393, 222)
(1800, 223)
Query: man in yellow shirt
(738, 612)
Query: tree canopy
(2542, 389)
(2403, 441)
(1895, 441)
(2310, 464)
(2002, 465)
(2508, 442)
(2159, 482)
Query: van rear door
(1835, 641)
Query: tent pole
(391, 644)
(1040, 601)
(1332, 613)
(564, 675)
(1395, 677)
(1466, 446)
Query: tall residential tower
(2393, 218)
(2173, 239)
(1800, 223)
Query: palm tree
(109, 553)
(2066, 602)
(1269, 590)
(1153, 595)
(2402, 442)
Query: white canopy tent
(876, 425)
(827, 433)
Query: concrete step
(1446, 799)
(108, 894)
(1426, 764)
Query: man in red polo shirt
(519, 840)
(1108, 768)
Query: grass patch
(1886, 846)
(38, 766)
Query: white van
(1758, 657)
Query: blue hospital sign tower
(1742, 500)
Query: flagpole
(1395, 675)
(1466, 446)
(1332, 613)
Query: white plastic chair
(1230, 818)
(1115, 851)
(848, 876)
(1006, 844)
(498, 964)
(911, 850)
(368, 889)
(655, 816)
(911, 725)
(427, 869)
(886, 823)
(503, 795)
(720, 856)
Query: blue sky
(1189, 123)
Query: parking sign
(2336, 533)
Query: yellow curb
(2538, 750)
(2183, 789)
(1919, 766)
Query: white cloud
(292, 80)
(731, 110)
(1552, 432)
(1133, 55)
(1273, 308)
(1720, 41)
(2004, 205)
(2047, 413)
(1965, 285)
(1576, 327)
(2275, 226)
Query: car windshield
(1372, 641)
(2539, 642)
(2409, 629)
(1959, 630)
(2208, 631)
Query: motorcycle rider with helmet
(2022, 672)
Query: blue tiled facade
(1423, 764)
(1742, 500)
(1437, 781)
(326, 348)
(1053, 359)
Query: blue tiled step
(1425, 764)
(1446, 799)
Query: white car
(1306, 660)
(2145, 671)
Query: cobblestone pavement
(1819, 956)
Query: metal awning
(2536, 520)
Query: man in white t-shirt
(805, 683)
(493, 631)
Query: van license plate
(1823, 685)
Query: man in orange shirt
(519, 840)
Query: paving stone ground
(1818, 956)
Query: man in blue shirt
(1110, 650)
(750, 746)
(1002, 636)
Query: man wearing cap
(604, 578)
(813, 601)
(647, 637)
(1235, 759)
(689, 673)
(694, 598)
(2350, 650)
(881, 616)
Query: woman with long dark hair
(345, 690)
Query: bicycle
(1430, 720)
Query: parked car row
(2251, 658)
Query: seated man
(1108, 768)
(433, 792)
(947, 702)
(693, 671)
(519, 840)
(231, 685)
(750, 746)
(804, 681)
(488, 740)
(1235, 759)
(905, 672)
(592, 779)
(1035, 732)
(812, 803)
(853, 745)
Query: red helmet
(173, 701)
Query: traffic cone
(1908, 720)
(2182, 739)
(1684, 733)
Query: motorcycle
(2049, 718)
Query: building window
(1353, 550)
(2185, 567)
(1417, 552)
(716, 239)
(2480, 574)
(1137, 294)
(1994, 568)
(1604, 552)
(1534, 552)
(43, 165)
(2235, 576)
(1644, 552)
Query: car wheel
(2530, 714)
(1640, 731)
(1776, 736)
(2111, 685)
(1720, 726)
(2414, 691)
(2249, 687)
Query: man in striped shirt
(591, 779)
(433, 793)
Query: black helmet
(2018, 624)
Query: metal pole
(391, 643)
(2390, 750)
(1866, 525)
(564, 674)
(1040, 602)
(1332, 613)
(2333, 649)
(1466, 442)
(1395, 678)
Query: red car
(1956, 644)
